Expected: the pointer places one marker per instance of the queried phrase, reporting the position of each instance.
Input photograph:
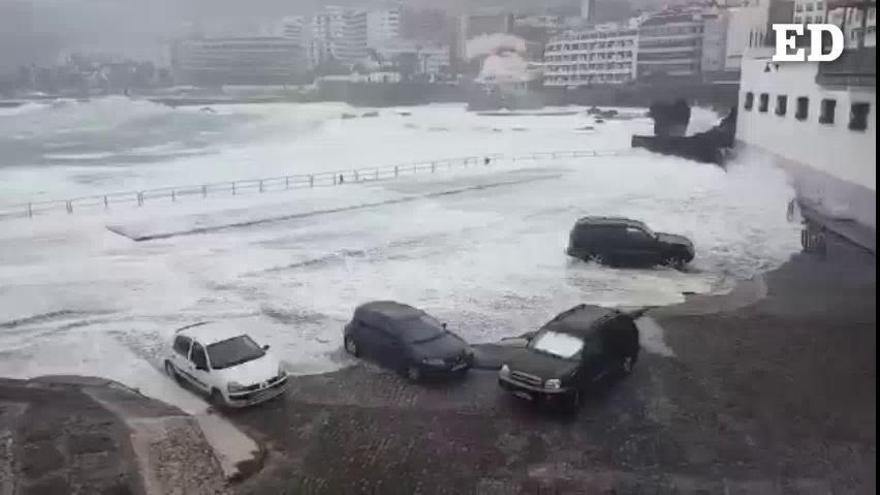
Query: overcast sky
(39, 30)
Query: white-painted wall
(714, 42)
(382, 26)
(833, 150)
(745, 25)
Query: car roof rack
(610, 315)
(191, 326)
(600, 220)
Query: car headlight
(553, 384)
(505, 370)
(234, 387)
(433, 361)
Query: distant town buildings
(383, 26)
(416, 58)
(469, 27)
(338, 39)
(605, 54)
(588, 9)
(246, 61)
(352, 47)
(809, 11)
(699, 41)
(858, 18)
(691, 42)
(670, 45)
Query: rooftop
(609, 221)
(210, 332)
(391, 309)
(580, 319)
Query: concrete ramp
(241, 218)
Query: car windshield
(557, 344)
(421, 329)
(234, 351)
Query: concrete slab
(234, 450)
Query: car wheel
(599, 259)
(171, 371)
(351, 346)
(674, 262)
(216, 399)
(626, 365)
(413, 374)
(572, 402)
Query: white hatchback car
(225, 364)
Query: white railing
(274, 184)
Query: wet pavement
(66, 435)
(769, 389)
(770, 395)
(56, 439)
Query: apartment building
(250, 60)
(670, 45)
(605, 54)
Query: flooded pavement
(775, 395)
(769, 389)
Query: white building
(323, 33)
(839, 12)
(429, 59)
(809, 11)
(713, 52)
(353, 44)
(606, 54)
(383, 26)
(238, 61)
(859, 25)
(818, 122)
(747, 29)
(335, 33)
(295, 28)
(587, 9)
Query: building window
(781, 105)
(803, 108)
(826, 114)
(750, 101)
(763, 102)
(858, 116)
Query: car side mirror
(443, 325)
(266, 347)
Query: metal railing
(174, 194)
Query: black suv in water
(571, 352)
(406, 339)
(621, 241)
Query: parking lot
(775, 396)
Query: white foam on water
(77, 298)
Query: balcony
(855, 67)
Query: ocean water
(480, 248)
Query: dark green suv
(621, 241)
(571, 352)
